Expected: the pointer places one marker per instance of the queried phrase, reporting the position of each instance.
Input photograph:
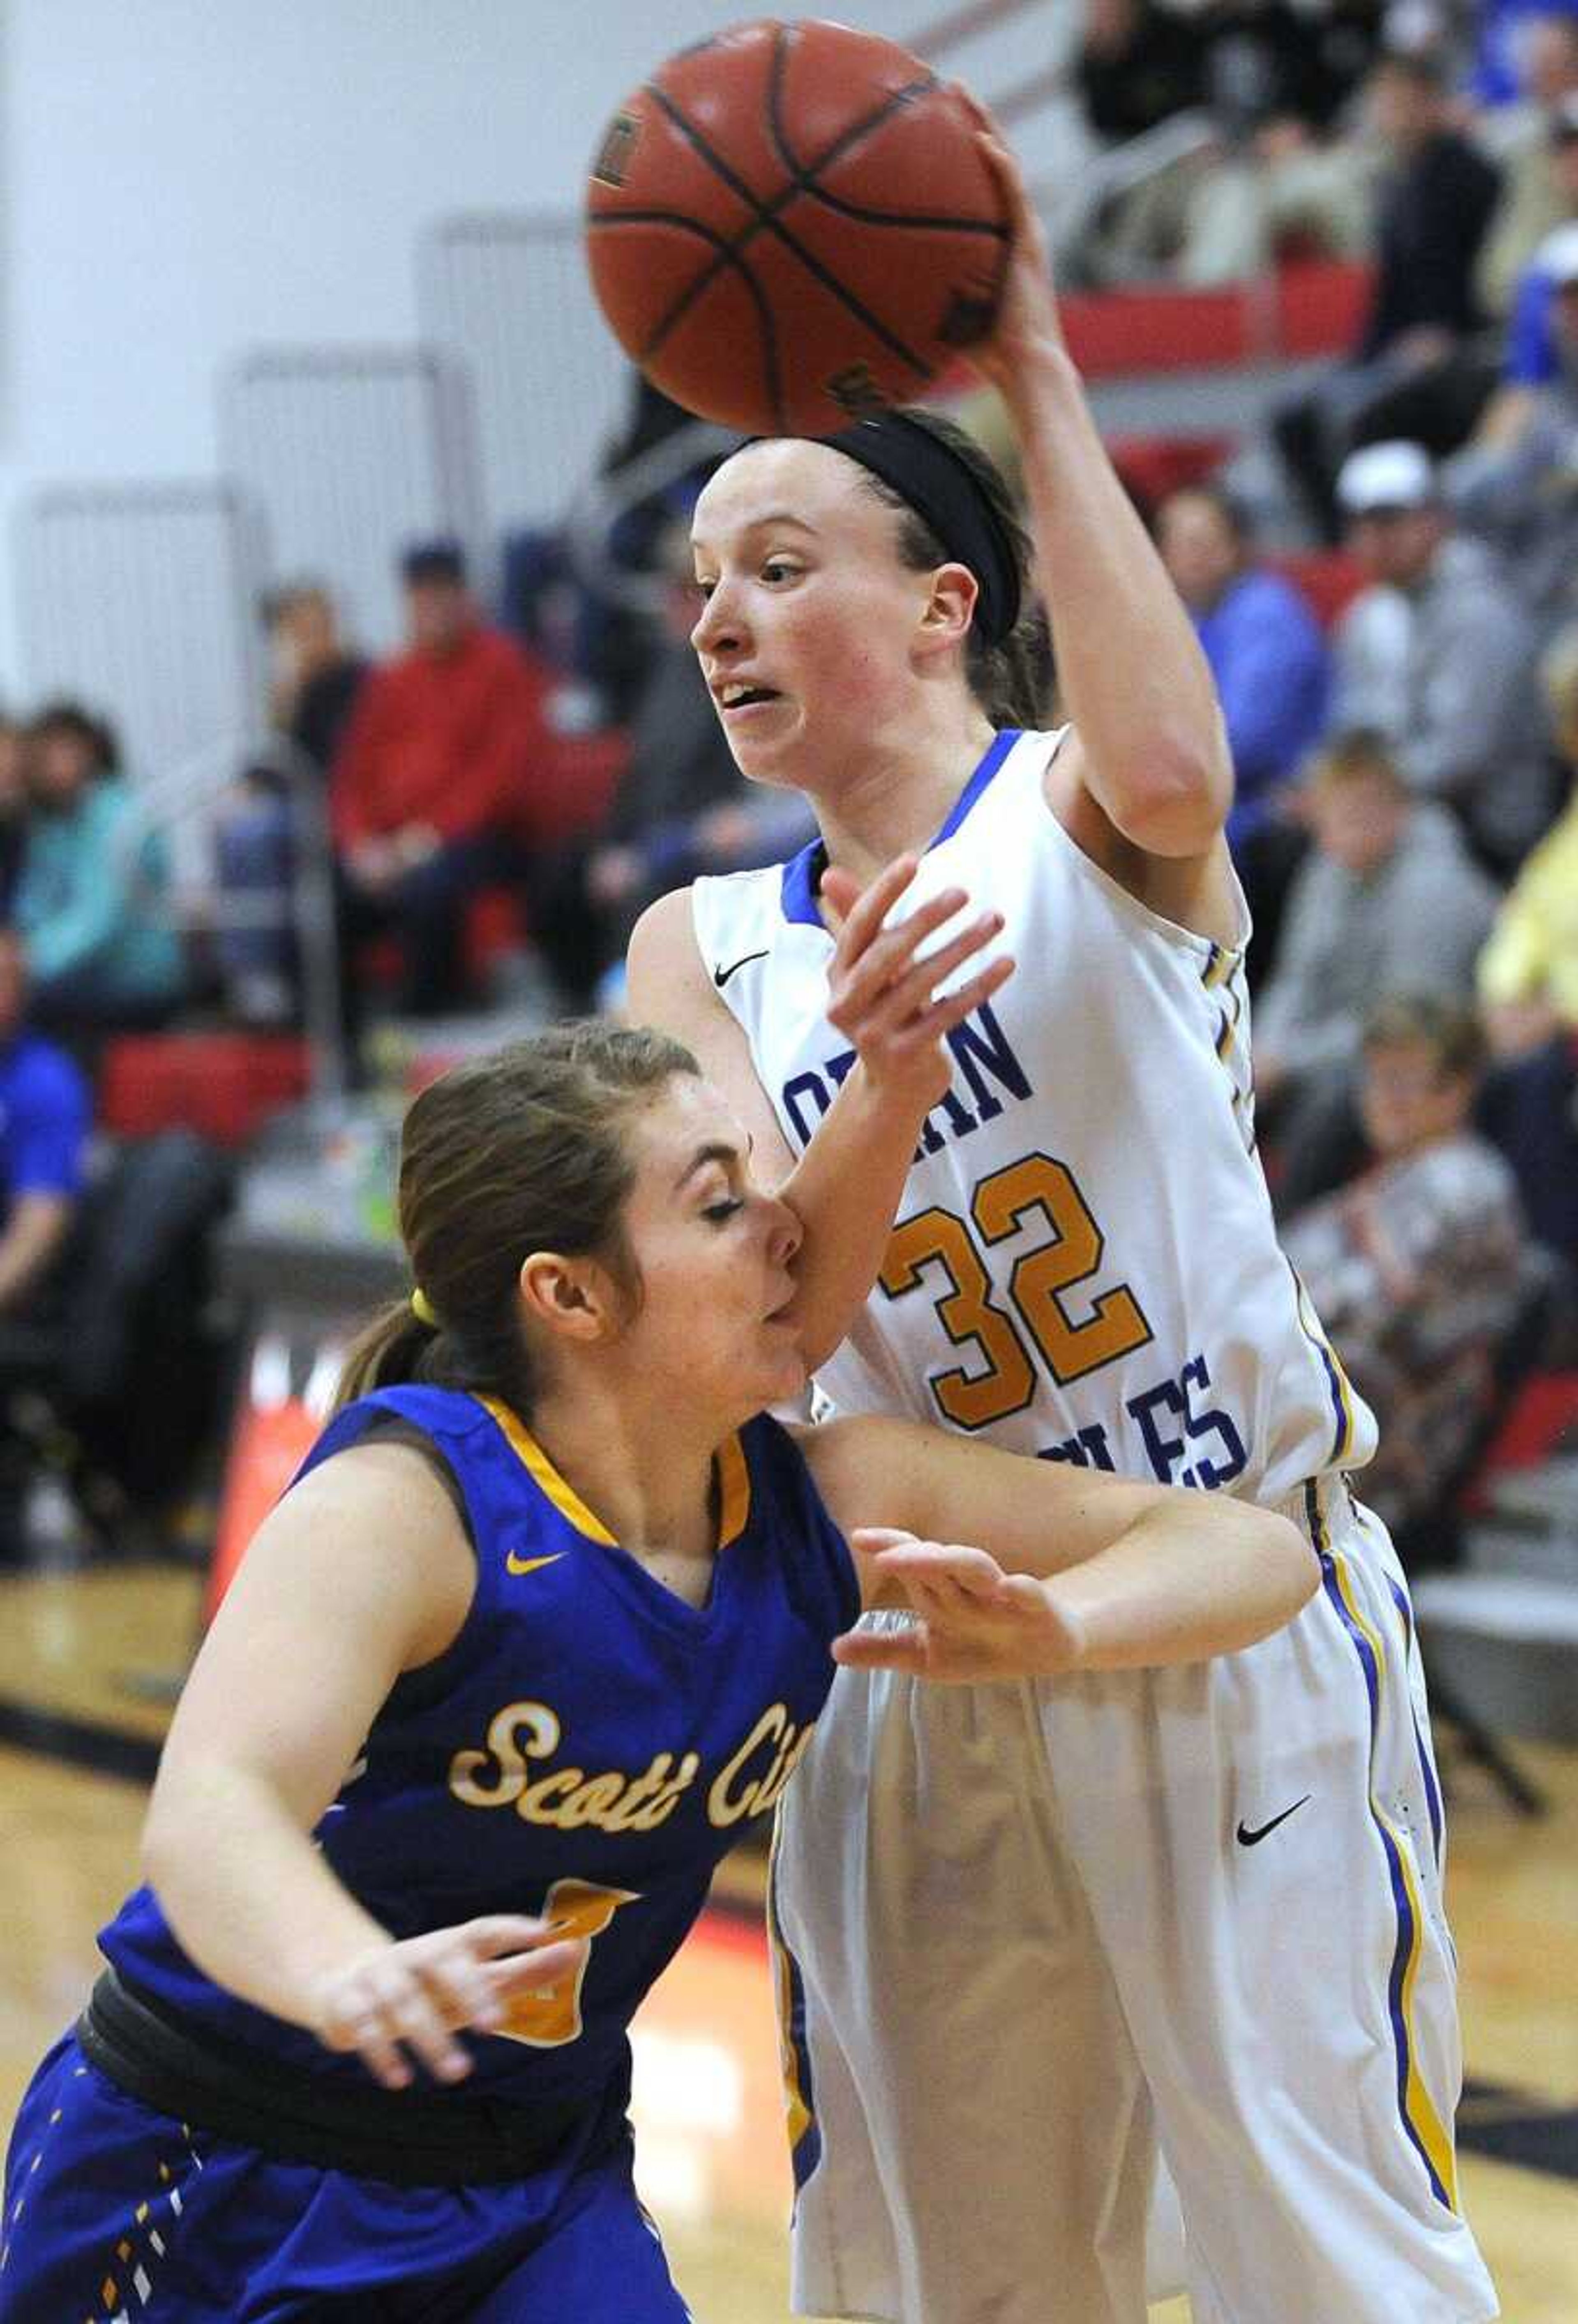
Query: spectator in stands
(315, 681)
(1529, 996)
(1386, 900)
(1507, 30)
(1265, 83)
(1516, 486)
(44, 1124)
(1266, 649)
(1534, 195)
(92, 902)
(1416, 369)
(315, 676)
(431, 786)
(682, 808)
(1414, 1268)
(1268, 657)
(1439, 655)
(13, 810)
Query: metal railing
(140, 599)
(347, 454)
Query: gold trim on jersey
(543, 1474)
(733, 1473)
(1430, 2132)
(1342, 1393)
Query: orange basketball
(791, 224)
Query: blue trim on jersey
(802, 872)
(1409, 1931)
(1426, 1772)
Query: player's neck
(645, 1474)
(898, 798)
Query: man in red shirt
(430, 782)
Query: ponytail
(387, 1352)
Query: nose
(718, 628)
(785, 1232)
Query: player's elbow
(1175, 800)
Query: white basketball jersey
(1084, 1262)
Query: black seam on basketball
(901, 218)
(766, 217)
(726, 257)
(805, 174)
(802, 172)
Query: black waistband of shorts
(236, 2091)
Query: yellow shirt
(1533, 947)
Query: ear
(571, 1299)
(949, 610)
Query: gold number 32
(969, 1314)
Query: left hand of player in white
(973, 1621)
(885, 992)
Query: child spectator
(1387, 900)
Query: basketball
(791, 224)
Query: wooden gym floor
(87, 1663)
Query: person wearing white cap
(1438, 655)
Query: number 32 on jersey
(1035, 1317)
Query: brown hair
(1357, 751)
(524, 1150)
(1012, 681)
(1407, 1020)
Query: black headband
(936, 483)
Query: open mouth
(745, 698)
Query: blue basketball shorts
(115, 2212)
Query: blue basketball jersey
(588, 1748)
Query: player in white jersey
(1029, 1933)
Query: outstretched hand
(405, 1999)
(973, 1621)
(883, 992)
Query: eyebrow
(761, 525)
(718, 1149)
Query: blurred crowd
(1393, 631)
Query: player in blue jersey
(543, 1625)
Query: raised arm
(362, 1572)
(1066, 1568)
(1148, 748)
(846, 1188)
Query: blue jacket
(1268, 657)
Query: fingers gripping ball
(791, 224)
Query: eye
(719, 1211)
(702, 589)
(778, 569)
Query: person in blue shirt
(543, 1626)
(1267, 650)
(45, 1119)
(1269, 655)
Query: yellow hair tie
(422, 1309)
